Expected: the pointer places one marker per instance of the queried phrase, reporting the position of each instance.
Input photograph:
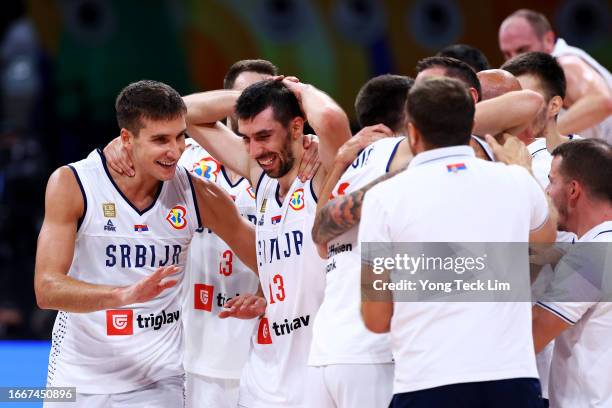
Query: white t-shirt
(582, 357)
(216, 347)
(120, 350)
(448, 195)
(293, 281)
(339, 335)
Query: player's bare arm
(546, 326)
(325, 116)
(376, 308)
(587, 98)
(343, 213)
(205, 110)
(347, 153)
(218, 212)
(56, 243)
(509, 113)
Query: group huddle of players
(225, 269)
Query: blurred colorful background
(63, 62)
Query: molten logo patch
(119, 322)
(203, 296)
(177, 217)
(263, 332)
(207, 168)
(297, 199)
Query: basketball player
(541, 73)
(349, 365)
(217, 349)
(111, 252)
(589, 85)
(270, 118)
(509, 113)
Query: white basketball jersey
(603, 130)
(115, 351)
(216, 347)
(339, 335)
(292, 279)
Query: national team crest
(297, 199)
(177, 217)
(207, 168)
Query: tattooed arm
(343, 213)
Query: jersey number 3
(277, 289)
(225, 266)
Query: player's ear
(296, 127)
(413, 138)
(555, 105)
(126, 137)
(549, 42)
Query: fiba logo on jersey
(203, 296)
(176, 217)
(207, 168)
(297, 199)
(119, 322)
(263, 332)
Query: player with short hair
(589, 85)
(468, 54)
(110, 258)
(267, 150)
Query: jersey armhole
(195, 201)
(78, 179)
(263, 173)
(393, 152)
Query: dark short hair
(544, 67)
(537, 21)
(261, 95)
(468, 54)
(147, 99)
(442, 109)
(248, 65)
(383, 100)
(589, 161)
(454, 69)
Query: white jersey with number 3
(292, 278)
(216, 347)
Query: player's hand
(309, 163)
(150, 287)
(244, 306)
(348, 152)
(513, 151)
(118, 158)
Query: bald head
(496, 82)
(525, 31)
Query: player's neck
(552, 135)
(590, 215)
(233, 176)
(140, 190)
(286, 181)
